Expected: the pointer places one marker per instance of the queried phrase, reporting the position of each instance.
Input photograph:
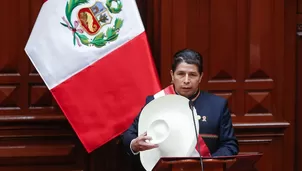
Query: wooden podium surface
(241, 162)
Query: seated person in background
(215, 125)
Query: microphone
(198, 144)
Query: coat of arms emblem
(87, 29)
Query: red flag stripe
(101, 109)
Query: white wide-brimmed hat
(169, 121)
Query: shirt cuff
(132, 150)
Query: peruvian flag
(94, 57)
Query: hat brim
(181, 141)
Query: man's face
(186, 79)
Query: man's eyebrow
(187, 71)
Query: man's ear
(200, 78)
(172, 76)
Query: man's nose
(187, 81)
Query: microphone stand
(198, 144)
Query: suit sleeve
(132, 132)
(228, 144)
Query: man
(215, 124)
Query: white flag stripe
(52, 67)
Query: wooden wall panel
(246, 61)
(289, 88)
(234, 40)
(298, 145)
(298, 118)
(22, 90)
(34, 134)
(299, 6)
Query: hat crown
(159, 131)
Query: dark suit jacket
(217, 131)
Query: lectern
(240, 162)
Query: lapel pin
(204, 119)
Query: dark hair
(188, 56)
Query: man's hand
(141, 143)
